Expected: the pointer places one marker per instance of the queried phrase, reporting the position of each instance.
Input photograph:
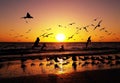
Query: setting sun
(60, 37)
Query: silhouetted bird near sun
(70, 37)
(27, 16)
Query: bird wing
(95, 27)
(98, 25)
(85, 29)
(99, 22)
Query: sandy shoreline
(59, 54)
(96, 76)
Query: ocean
(19, 59)
(9, 47)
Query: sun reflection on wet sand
(43, 66)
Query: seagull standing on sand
(36, 42)
(88, 41)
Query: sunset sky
(53, 17)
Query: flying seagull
(70, 37)
(95, 19)
(102, 29)
(59, 25)
(71, 23)
(27, 16)
(86, 28)
(28, 31)
(47, 35)
(98, 25)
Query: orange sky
(54, 17)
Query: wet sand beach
(96, 76)
(72, 65)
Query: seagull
(70, 37)
(78, 28)
(28, 31)
(48, 29)
(47, 35)
(27, 16)
(88, 41)
(59, 25)
(92, 25)
(98, 25)
(106, 31)
(102, 29)
(95, 19)
(109, 33)
(85, 28)
(43, 34)
(71, 23)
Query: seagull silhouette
(47, 35)
(70, 37)
(95, 19)
(106, 31)
(85, 28)
(28, 31)
(59, 25)
(48, 29)
(102, 29)
(98, 25)
(92, 25)
(27, 16)
(109, 33)
(43, 34)
(71, 23)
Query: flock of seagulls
(87, 28)
(82, 61)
